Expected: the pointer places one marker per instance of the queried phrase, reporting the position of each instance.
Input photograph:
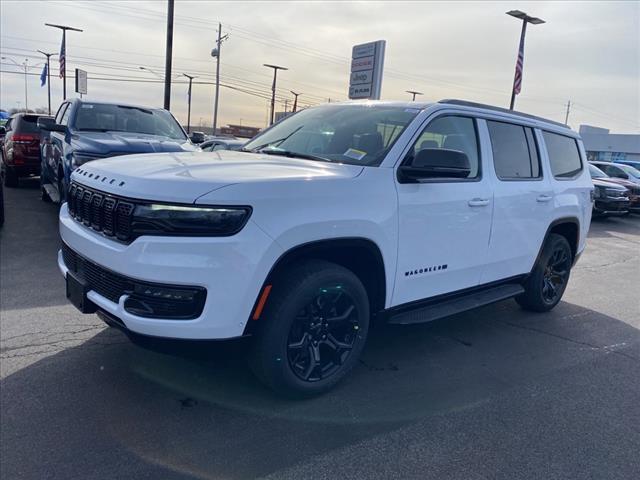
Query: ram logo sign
(367, 62)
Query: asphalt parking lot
(494, 393)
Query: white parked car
(336, 217)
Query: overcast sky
(588, 53)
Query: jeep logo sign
(367, 61)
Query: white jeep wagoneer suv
(335, 217)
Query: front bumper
(611, 206)
(230, 269)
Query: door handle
(544, 198)
(478, 202)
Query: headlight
(612, 192)
(599, 192)
(179, 220)
(78, 159)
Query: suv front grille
(102, 212)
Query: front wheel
(548, 280)
(312, 331)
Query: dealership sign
(367, 62)
(81, 81)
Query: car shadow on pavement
(110, 406)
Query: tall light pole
(63, 54)
(168, 56)
(273, 88)
(48, 55)
(215, 53)
(517, 79)
(23, 65)
(414, 93)
(190, 77)
(295, 101)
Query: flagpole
(48, 55)
(63, 54)
(520, 53)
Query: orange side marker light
(261, 302)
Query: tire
(312, 331)
(62, 191)
(44, 196)
(550, 275)
(10, 178)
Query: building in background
(601, 145)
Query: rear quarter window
(28, 124)
(564, 155)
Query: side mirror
(3, 131)
(197, 137)
(49, 124)
(435, 163)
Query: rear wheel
(548, 280)
(10, 178)
(312, 331)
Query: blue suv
(83, 131)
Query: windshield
(629, 170)
(355, 134)
(98, 117)
(596, 172)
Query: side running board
(452, 306)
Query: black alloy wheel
(556, 274)
(323, 335)
(548, 280)
(313, 329)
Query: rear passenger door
(523, 200)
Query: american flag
(517, 81)
(62, 60)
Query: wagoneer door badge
(421, 271)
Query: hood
(607, 183)
(105, 143)
(183, 177)
(620, 181)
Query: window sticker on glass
(86, 105)
(412, 110)
(355, 154)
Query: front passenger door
(444, 223)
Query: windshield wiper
(290, 154)
(279, 141)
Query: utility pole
(216, 54)
(273, 88)
(517, 79)
(566, 117)
(168, 56)
(190, 77)
(295, 101)
(414, 93)
(48, 55)
(63, 54)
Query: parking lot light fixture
(24, 65)
(517, 79)
(414, 93)
(273, 88)
(63, 54)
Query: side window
(60, 112)
(564, 155)
(219, 146)
(450, 133)
(7, 126)
(515, 156)
(65, 117)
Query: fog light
(168, 302)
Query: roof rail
(465, 103)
